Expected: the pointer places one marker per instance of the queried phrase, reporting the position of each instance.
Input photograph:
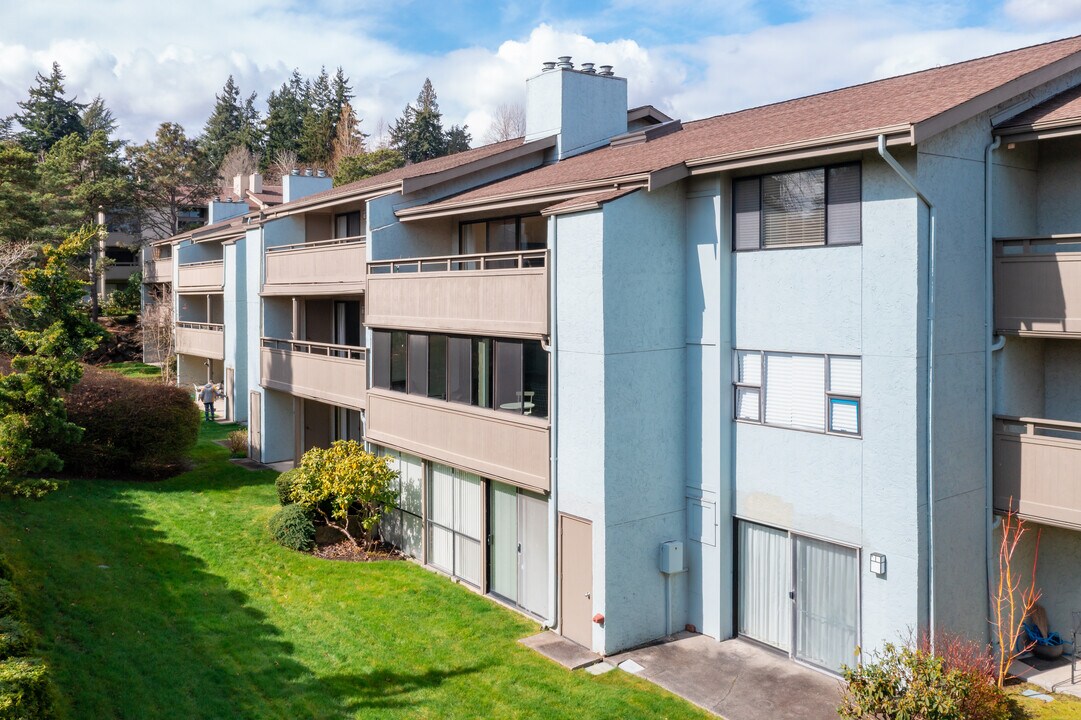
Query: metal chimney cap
(606, 70)
(294, 171)
(548, 66)
(308, 172)
(321, 172)
(565, 62)
(588, 68)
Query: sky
(164, 61)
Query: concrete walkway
(737, 679)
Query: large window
(455, 522)
(402, 525)
(506, 375)
(820, 393)
(347, 225)
(819, 206)
(503, 235)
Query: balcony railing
(160, 270)
(121, 270)
(334, 374)
(206, 275)
(498, 445)
(1038, 469)
(491, 294)
(201, 339)
(327, 266)
(1038, 286)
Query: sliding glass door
(518, 547)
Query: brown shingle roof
(587, 202)
(1062, 109)
(894, 103)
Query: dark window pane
(473, 238)
(507, 394)
(534, 233)
(398, 355)
(352, 324)
(503, 235)
(794, 208)
(843, 205)
(482, 372)
(535, 379)
(437, 366)
(381, 359)
(347, 225)
(747, 210)
(459, 369)
(418, 365)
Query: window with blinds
(818, 206)
(819, 393)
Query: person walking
(207, 395)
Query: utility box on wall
(671, 557)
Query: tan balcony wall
(1038, 293)
(501, 446)
(209, 275)
(488, 302)
(1037, 472)
(160, 270)
(120, 271)
(331, 268)
(338, 381)
(201, 341)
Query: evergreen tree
(7, 131)
(458, 139)
(285, 118)
(97, 116)
(251, 127)
(22, 215)
(367, 164)
(48, 116)
(170, 173)
(348, 139)
(418, 134)
(83, 175)
(343, 95)
(229, 125)
(317, 128)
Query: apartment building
(740, 373)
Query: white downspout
(903, 174)
(553, 434)
(992, 343)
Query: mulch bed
(347, 551)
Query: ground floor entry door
(798, 594)
(518, 547)
(576, 580)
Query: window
(818, 206)
(506, 375)
(347, 225)
(503, 235)
(402, 525)
(820, 393)
(454, 522)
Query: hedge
(134, 429)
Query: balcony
(492, 294)
(119, 272)
(498, 445)
(312, 268)
(158, 271)
(334, 374)
(1038, 286)
(201, 339)
(1036, 470)
(201, 276)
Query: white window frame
(827, 396)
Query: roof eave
(421, 182)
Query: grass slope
(169, 600)
(132, 368)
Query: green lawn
(1064, 707)
(132, 368)
(168, 600)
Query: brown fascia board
(802, 150)
(414, 184)
(1003, 93)
(646, 134)
(224, 233)
(300, 206)
(647, 111)
(667, 176)
(1036, 131)
(588, 202)
(523, 197)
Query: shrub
(15, 639)
(284, 485)
(292, 528)
(345, 483)
(25, 691)
(903, 681)
(134, 428)
(9, 602)
(238, 443)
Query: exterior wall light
(878, 564)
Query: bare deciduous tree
(282, 163)
(14, 257)
(507, 123)
(157, 326)
(1012, 601)
(238, 161)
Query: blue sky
(155, 61)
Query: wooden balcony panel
(334, 374)
(502, 294)
(502, 446)
(1038, 286)
(209, 275)
(200, 339)
(325, 267)
(1036, 470)
(160, 270)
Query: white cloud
(1040, 12)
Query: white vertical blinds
(843, 205)
(533, 533)
(748, 403)
(765, 612)
(503, 553)
(749, 367)
(468, 504)
(795, 390)
(845, 375)
(441, 495)
(827, 603)
(794, 208)
(844, 416)
(746, 201)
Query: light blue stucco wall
(236, 325)
(582, 110)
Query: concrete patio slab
(737, 679)
(558, 648)
(1051, 675)
(600, 668)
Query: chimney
(223, 209)
(240, 184)
(255, 182)
(583, 108)
(302, 183)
